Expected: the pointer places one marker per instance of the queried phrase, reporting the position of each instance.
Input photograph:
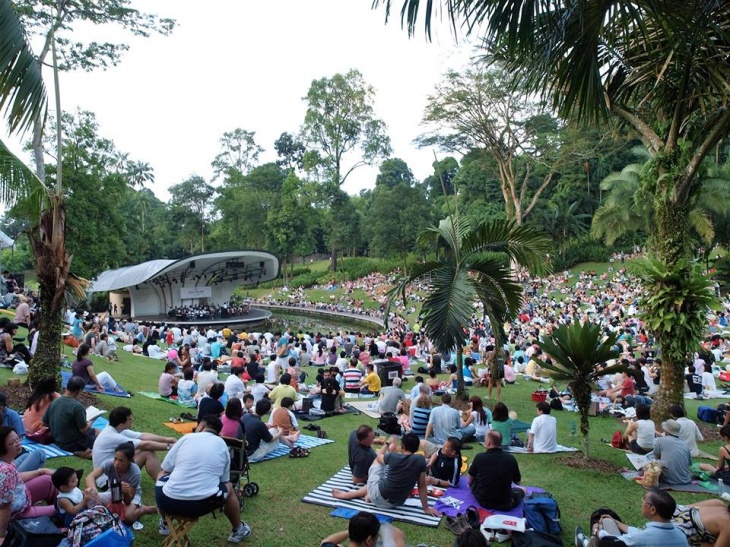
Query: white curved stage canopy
(156, 286)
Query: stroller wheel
(248, 491)
(255, 487)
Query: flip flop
(188, 416)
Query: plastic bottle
(721, 486)
(385, 536)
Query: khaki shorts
(373, 486)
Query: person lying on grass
(364, 530)
(392, 476)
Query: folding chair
(179, 529)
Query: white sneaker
(162, 528)
(242, 533)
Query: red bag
(42, 436)
(539, 395)
(617, 441)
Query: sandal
(298, 452)
(458, 524)
(321, 434)
(312, 427)
(188, 416)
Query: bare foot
(148, 509)
(85, 454)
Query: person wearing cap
(657, 507)
(673, 454)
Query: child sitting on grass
(72, 499)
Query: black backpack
(531, 538)
(389, 424)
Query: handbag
(42, 436)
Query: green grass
(278, 517)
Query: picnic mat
(66, 376)
(696, 486)
(364, 407)
(458, 499)
(411, 511)
(158, 397)
(523, 450)
(183, 428)
(305, 441)
(52, 450)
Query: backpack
(721, 409)
(531, 538)
(389, 424)
(91, 523)
(617, 441)
(542, 513)
(707, 414)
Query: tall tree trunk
(48, 242)
(582, 394)
(333, 258)
(671, 245)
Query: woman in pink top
(232, 425)
(41, 398)
(404, 359)
(364, 356)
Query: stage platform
(253, 318)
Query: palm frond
(18, 183)
(447, 309)
(22, 92)
(702, 224)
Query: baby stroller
(240, 469)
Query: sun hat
(671, 427)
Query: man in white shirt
(195, 479)
(543, 433)
(234, 386)
(688, 430)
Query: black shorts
(189, 508)
(86, 440)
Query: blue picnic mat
(52, 450)
(305, 441)
(66, 376)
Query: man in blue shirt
(657, 507)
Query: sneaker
(580, 537)
(162, 528)
(242, 533)
(137, 525)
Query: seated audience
(365, 530)
(689, 432)
(71, 499)
(260, 440)
(392, 476)
(360, 454)
(445, 422)
(66, 418)
(196, 479)
(123, 466)
(640, 433)
(284, 389)
(210, 403)
(501, 422)
(673, 454)
(83, 368)
(167, 385)
(543, 433)
(283, 419)
(391, 397)
(232, 420)
(492, 474)
(445, 464)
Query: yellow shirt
(373, 382)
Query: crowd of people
(266, 385)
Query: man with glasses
(658, 508)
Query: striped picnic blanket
(52, 450)
(411, 511)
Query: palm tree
(473, 265)
(21, 85)
(575, 350)
(628, 205)
(659, 67)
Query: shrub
(580, 250)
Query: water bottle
(115, 486)
(385, 536)
(572, 428)
(721, 486)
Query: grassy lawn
(278, 517)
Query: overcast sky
(248, 63)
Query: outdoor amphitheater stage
(254, 318)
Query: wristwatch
(167, 446)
